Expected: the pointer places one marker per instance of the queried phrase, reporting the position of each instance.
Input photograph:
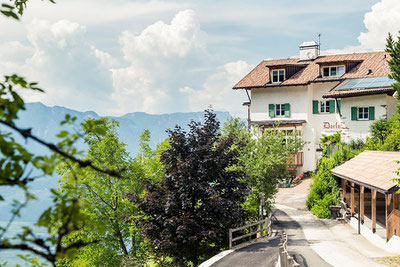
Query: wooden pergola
(373, 171)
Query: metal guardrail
(285, 259)
(259, 225)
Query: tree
(385, 133)
(16, 165)
(265, 158)
(189, 212)
(107, 205)
(393, 48)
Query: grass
(390, 261)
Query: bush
(385, 134)
(322, 207)
(325, 189)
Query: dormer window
(278, 76)
(332, 71)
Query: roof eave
(380, 190)
(354, 94)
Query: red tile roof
(370, 64)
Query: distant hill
(45, 123)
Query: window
(325, 106)
(334, 71)
(280, 110)
(362, 113)
(278, 76)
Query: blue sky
(116, 57)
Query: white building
(320, 95)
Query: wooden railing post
(230, 238)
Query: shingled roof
(373, 169)
(358, 65)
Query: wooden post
(362, 203)
(395, 207)
(388, 198)
(395, 201)
(373, 210)
(352, 204)
(230, 238)
(344, 190)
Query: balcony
(296, 160)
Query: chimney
(308, 50)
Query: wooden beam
(395, 207)
(344, 191)
(388, 198)
(362, 203)
(352, 206)
(373, 209)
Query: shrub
(325, 189)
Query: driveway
(261, 254)
(312, 239)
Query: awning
(372, 169)
(278, 122)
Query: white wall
(301, 98)
(391, 105)
(360, 129)
(296, 96)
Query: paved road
(298, 245)
(311, 241)
(260, 254)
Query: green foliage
(324, 189)
(393, 48)
(15, 9)
(385, 134)
(264, 157)
(113, 225)
(33, 261)
(188, 213)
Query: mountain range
(45, 123)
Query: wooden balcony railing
(296, 160)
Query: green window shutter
(371, 113)
(353, 113)
(332, 106)
(315, 107)
(271, 110)
(287, 110)
(339, 102)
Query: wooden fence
(284, 258)
(263, 227)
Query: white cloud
(160, 58)
(72, 72)
(382, 19)
(217, 90)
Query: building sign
(333, 126)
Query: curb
(216, 258)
